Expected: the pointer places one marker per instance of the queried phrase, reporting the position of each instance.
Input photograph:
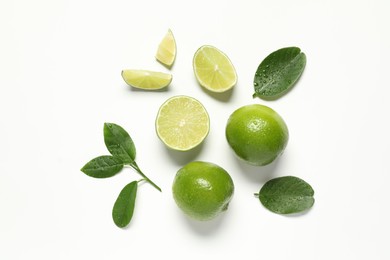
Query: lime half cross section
(182, 123)
(213, 69)
(146, 79)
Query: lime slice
(166, 52)
(213, 69)
(145, 79)
(182, 123)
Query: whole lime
(202, 190)
(257, 134)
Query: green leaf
(103, 166)
(119, 142)
(278, 72)
(285, 195)
(124, 205)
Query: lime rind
(257, 134)
(202, 190)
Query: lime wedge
(182, 123)
(213, 69)
(166, 52)
(145, 79)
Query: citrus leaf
(103, 166)
(278, 72)
(119, 142)
(123, 209)
(285, 195)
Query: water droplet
(256, 74)
(255, 84)
(267, 66)
(264, 71)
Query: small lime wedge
(166, 52)
(182, 123)
(145, 79)
(213, 69)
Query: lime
(145, 79)
(213, 69)
(257, 134)
(182, 123)
(202, 190)
(166, 52)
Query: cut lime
(166, 52)
(182, 123)
(213, 69)
(145, 79)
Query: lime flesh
(166, 52)
(146, 79)
(182, 123)
(213, 69)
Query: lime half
(145, 79)
(182, 123)
(166, 52)
(213, 69)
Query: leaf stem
(135, 167)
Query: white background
(60, 65)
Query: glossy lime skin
(202, 190)
(257, 134)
